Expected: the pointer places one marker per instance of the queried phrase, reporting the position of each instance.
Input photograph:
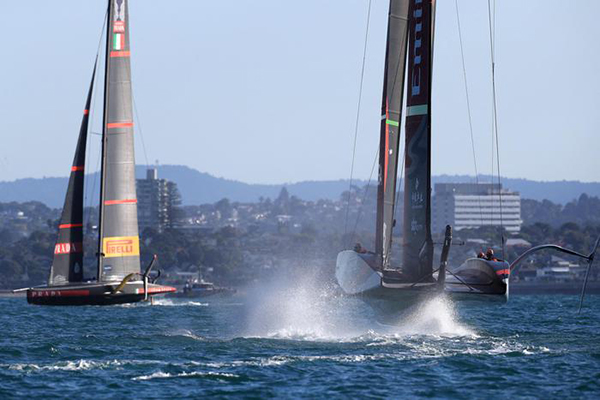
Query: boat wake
(180, 303)
(75, 365)
(192, 374)
(184, 333)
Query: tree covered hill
(583, 211)
(200, 188)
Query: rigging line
(89, 216)
(136, 114)
(494, 29)
(88, 139)
(139, 126)
(367, 187)
(90, 193)
(462, 54)
(495, 114)
(399, 180)
(362, 79)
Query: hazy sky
(265, 91)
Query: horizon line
(361, 180)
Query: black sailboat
(410, 35)
(119, 278)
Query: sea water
(297, 341)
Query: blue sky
(265, 91)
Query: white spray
(305, 309)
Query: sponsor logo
(418, 43)
(121, 246)
(417, 198)
(119, 10)
(58, 293)
(119, 27)
(45, 293)
(68, 248)
(415, 226)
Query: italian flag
(118, 41)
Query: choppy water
(300, 342)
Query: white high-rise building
(158, 200)
(471, 205)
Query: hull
(192, 294)
(357, 276)
(390, 302)
(487, 279)
(388, 293)
(354, 274)
(97, 294)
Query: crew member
(359, 249)
(489, 255)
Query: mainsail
(118, 237)
(67, 265)
(418, 247)
(391, 110)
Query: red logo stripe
(118, 242)
(67, 293)
(126, 201)
(65, 226)
(120, 54)
(86, 112)
(157, 290)
(77, 168)
(503, 272)
(113, 125)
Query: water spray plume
(305, 309)
(435, 316)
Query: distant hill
(199, 187)
(195, 187)
(560, 192)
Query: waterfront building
(158, 201)
(471, 205)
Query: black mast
(418, 246)
(103, 158)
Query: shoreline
(567, 288)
